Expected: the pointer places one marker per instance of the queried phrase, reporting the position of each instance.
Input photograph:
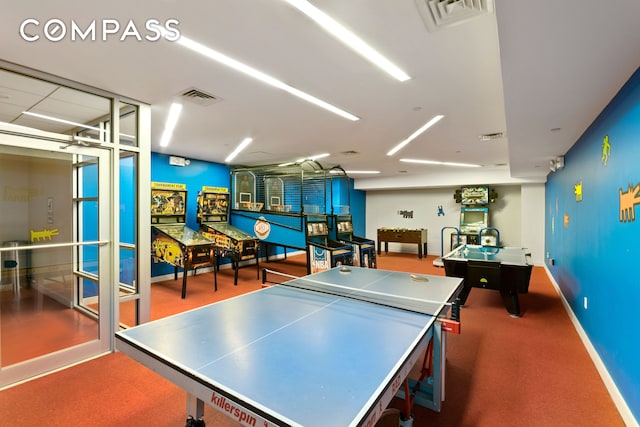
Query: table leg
(265, 250)
(235, 264)
(511, 302)
(215, 275)
(419, 251)
(464, 293)
(195, 406)
(185, 270)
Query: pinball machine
(172, 242)
(229, 242)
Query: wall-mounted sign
(262, 228)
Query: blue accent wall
(358, 210)
(594, 241)
(196, 175)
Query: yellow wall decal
(45, 234)
(606, 150)
(577, 190)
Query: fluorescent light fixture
(315, 157)
(414, 135)
(67, 122)
(169, 126)
(238, 149)
(356, 172)
(259, 75)
(55, 119)
(433, 162)
(282, 165)
(348, 38)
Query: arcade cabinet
(229, 241)
(364, 250)
(323, 253)
(172, 242)
(474, 216)
(273, 201)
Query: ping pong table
(327, 349)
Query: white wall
(518, 213)
(27, 185)
(16, 194)
(533, 220)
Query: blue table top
(306, 358)
(507, 255)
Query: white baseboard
(611, 386)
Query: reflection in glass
(48, 294)
(45, 309)
(50, 107)
(128, 125)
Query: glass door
(55, 293)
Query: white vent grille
(491, 136)
(199, 97)
(438, 14)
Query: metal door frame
(18, 139)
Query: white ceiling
(528, 68)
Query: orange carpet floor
(531, 371)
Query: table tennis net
(403, 302)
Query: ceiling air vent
(491, 136)
(438, 14)
(199, 97)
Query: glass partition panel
(61, 261)
(128, 125)
(129, 290)
(38, 310)
(50, 107)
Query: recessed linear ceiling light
(170, 124)
(68, 122)
(348, 38)
(315, 157)
(310, 158)
(362, 172)
(414, 135)
(245, 142)
(433, 162)
(356, 172)
(259, 75)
